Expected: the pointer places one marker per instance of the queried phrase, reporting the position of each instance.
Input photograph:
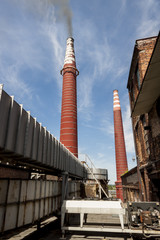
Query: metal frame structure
(112, 231)
(25, 142)
(123, 230)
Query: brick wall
(140, 61)
(154, 123)
(147, 142)
(144, 49)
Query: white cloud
(120, 71)
(100, 63)
(128, 134)
(85, 96)
(149, 23)
(57, 55)
(101, 57)
(106, 125)
(29, 45)
(9, 75)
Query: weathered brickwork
(140, 134)
(146, 128)
(145, 48)
(130, 186)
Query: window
(133, 95)
(146, 139)
(138, 77)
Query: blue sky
(33, 37)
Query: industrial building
(42, 177)
(38, 172)
(144, 94)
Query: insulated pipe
(120, 150)
(68, 130)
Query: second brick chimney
(120, 150)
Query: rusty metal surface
(99, 173)
(25, 202)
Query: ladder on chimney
(94, 177)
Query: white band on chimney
(116, 97)
(70, 56)
(116, 105)
(116, 102)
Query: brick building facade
(144, 93)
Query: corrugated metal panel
(20, 215)
(60, 156)
(65, 159)
(44, 147)
(67, 162)
(25, 201)
(12, 127)
(5, 103)
(23, 119)
(48, 157)
(52, 151)
(29, 137)
(40, 144)
(55, 153)
(36, 134)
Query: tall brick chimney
(68, 131)
(120, 150)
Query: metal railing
(91, 169)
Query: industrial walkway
(26, 142)
(51, 231)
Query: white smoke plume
(62, 10)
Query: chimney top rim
(70, 38)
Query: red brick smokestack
(68, 131)
(120, 150)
